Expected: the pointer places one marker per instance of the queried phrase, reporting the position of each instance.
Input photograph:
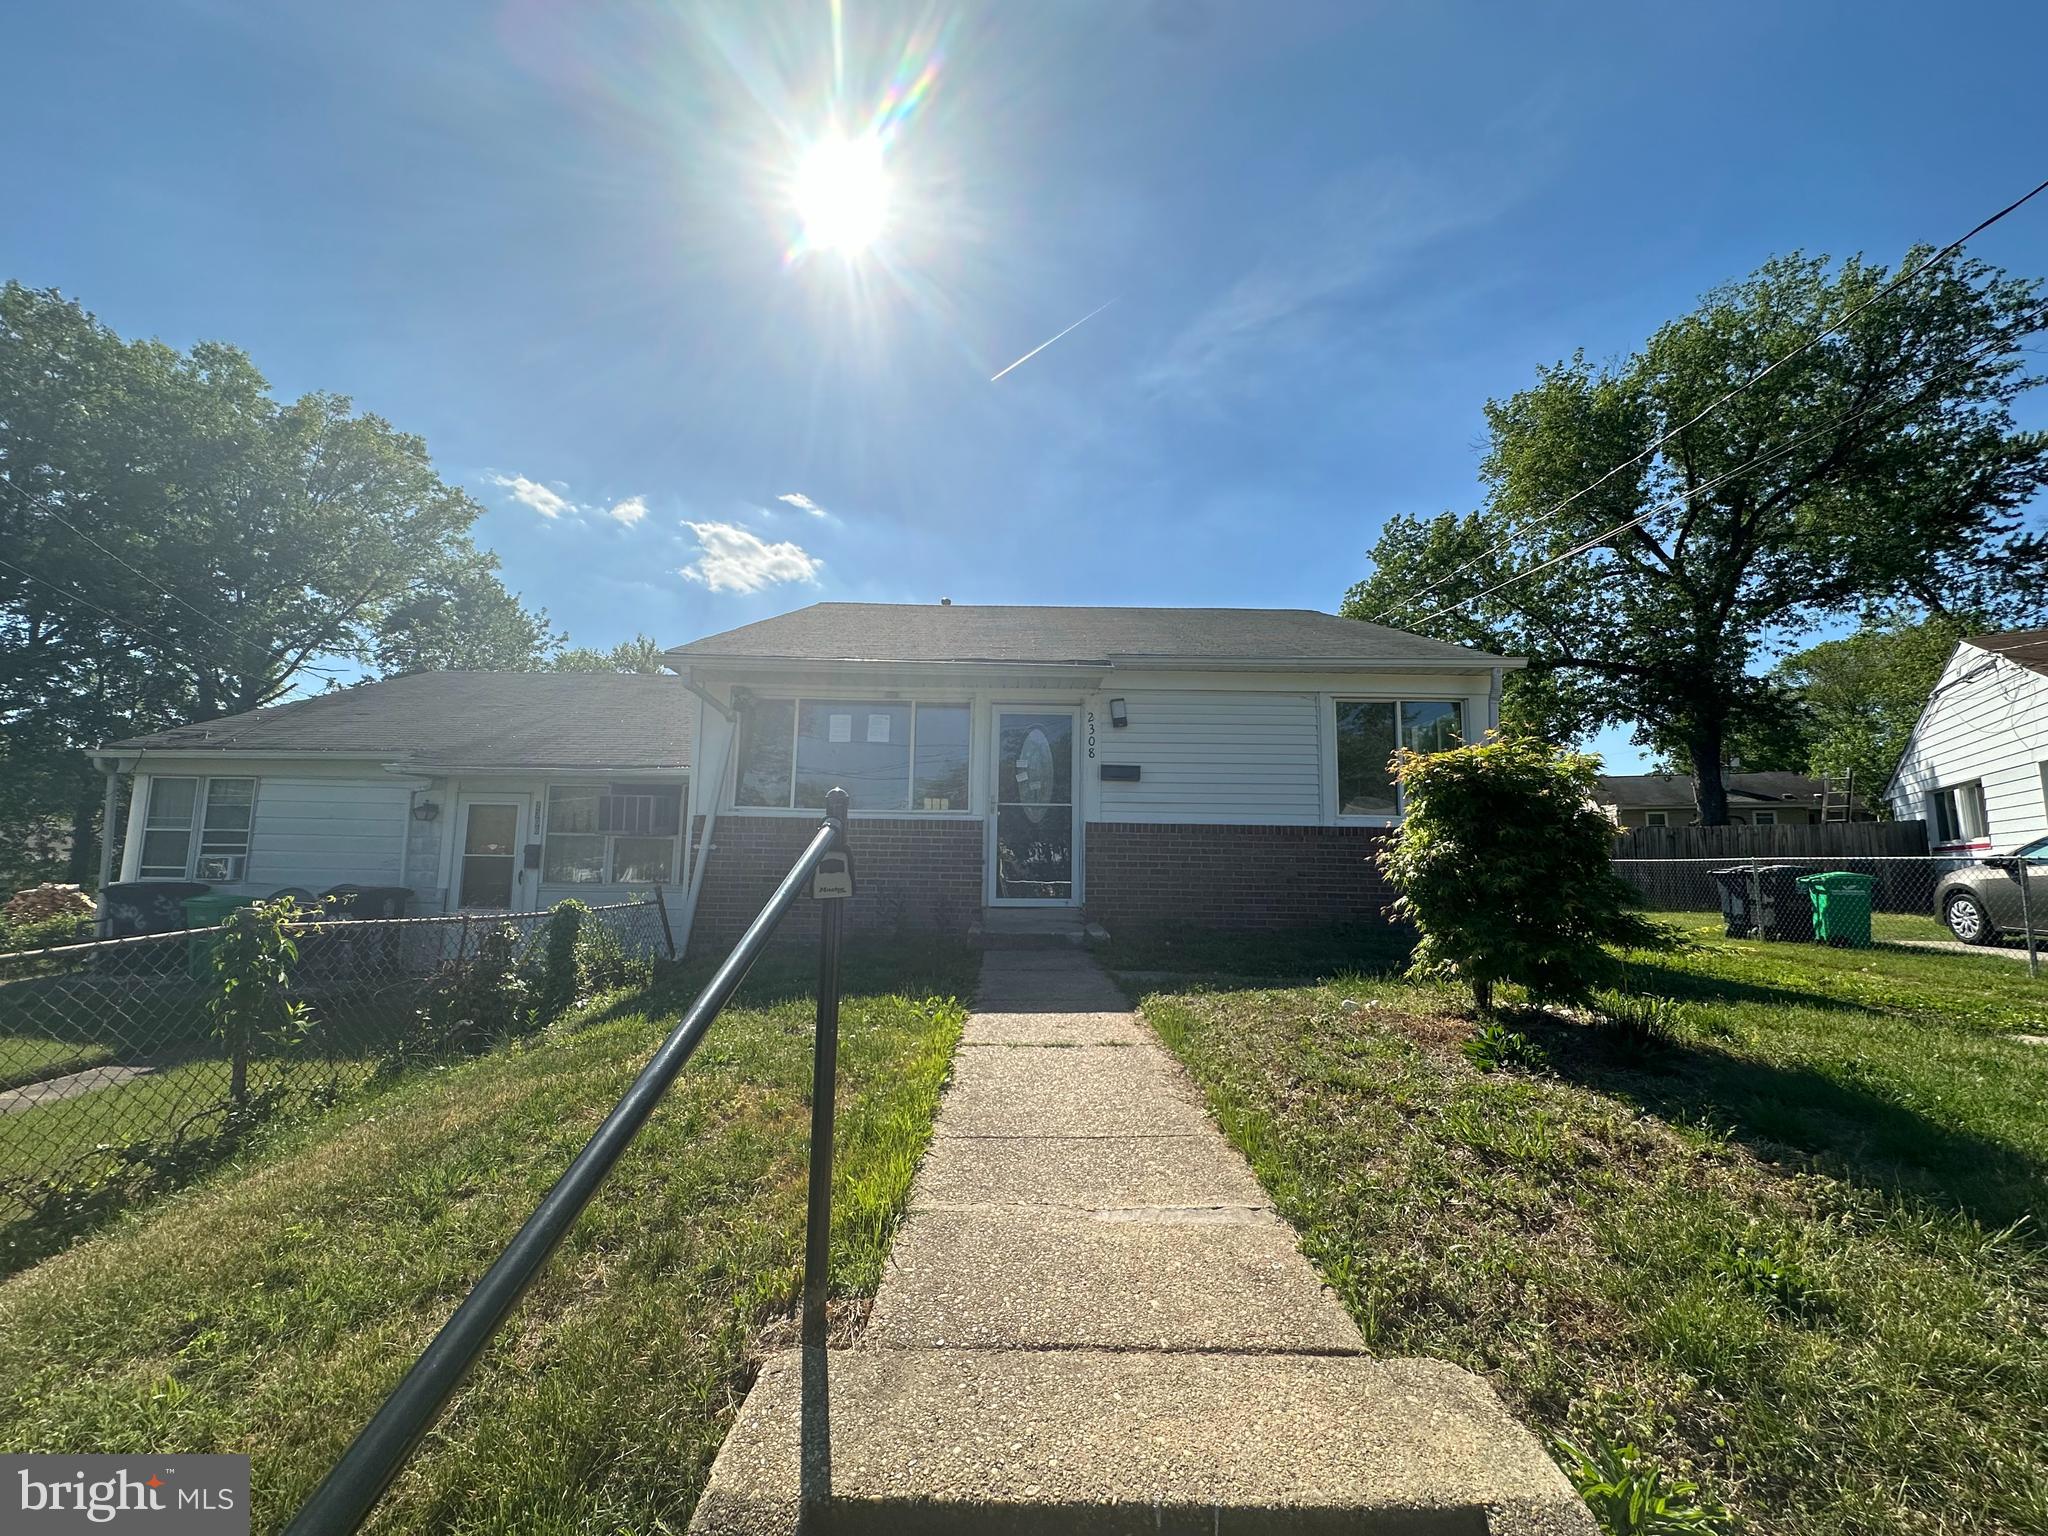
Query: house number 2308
(1091, 734)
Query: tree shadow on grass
(1655, 978)
(1845, 1124)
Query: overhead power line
(239, 637)
(1897, 281)
(1647, 513)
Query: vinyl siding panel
(1987, 721)
(320, 832)
(1213, 757)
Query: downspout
(1493, 694)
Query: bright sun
(842, 194)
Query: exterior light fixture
(426, 810)
(1118, 715)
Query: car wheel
(1966, 920)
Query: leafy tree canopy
(1881, 466)
(176, 544)
(642, 653)
(1861, 695)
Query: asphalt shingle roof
(467, 719)
(921, 632)
(2027, 647)
(1660, 791)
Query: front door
(490, 872)
(1035, 807)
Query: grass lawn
(1797, 1253)
(270, 1308)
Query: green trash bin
(206, 912)
(1841, 907)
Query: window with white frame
(887, 755)
(1763, 818)
(1656, 818)
(197, 829)
(611, 834)
(1956, 814)
(1370, 731)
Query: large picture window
(615, 834)
(219, 811)
(1370, 731)
(887, 756)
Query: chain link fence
(1996, 906)
(116, 1074)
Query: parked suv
(1980, 901)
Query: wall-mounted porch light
(1118, 715)
(426, 810)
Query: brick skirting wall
(1141, 873)
(913, 872)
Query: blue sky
(553, 239)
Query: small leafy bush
(1494, 1046)
(1640, 1027)
(1502, 863)
(254, 956)
(556, 978)
(603, 963)
(1629, 1495)
(476, 999)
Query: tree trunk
(82, 864)
(1709, 792)
(1482, 998)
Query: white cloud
(733, 559)
(803, 503)
(531, 493)
(629, 511)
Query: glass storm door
(488, 876)
(1034, 806)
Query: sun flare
(842, 193)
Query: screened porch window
(617, 834)
(887, 755)
(1370, 731)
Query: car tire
(1967, 920)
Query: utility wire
(1754, 379)
(1663, 506)
(239, 637)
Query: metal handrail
(350, 1491)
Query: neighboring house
(494, 790)
(1754, 800)
(1222, 766)
(1976, 766)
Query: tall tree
(459, 617)
(1864, 692)
(176, 544)
(642, 653)
(1881, 465)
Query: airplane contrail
(1098, 309)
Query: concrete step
(1029, 928)
(1104, 1443)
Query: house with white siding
(1976, 766)
(1215, 765)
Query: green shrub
(603, 963)
(1771, 1268)
(557, 972)
(253, 958)
(42, 933)
(1502, 864)
(1628, 1493)
(1494, 1046)
(476, 999)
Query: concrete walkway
(1093, 1320)
(70, 1086)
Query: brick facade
(1233, 876)
(912, 872)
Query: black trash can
(149, 906)
(351, 901)
(1733, 886)
(1787, 909)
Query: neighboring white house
(1213, 765)
(1976, 766)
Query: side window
(1656, 818)
(167, 828)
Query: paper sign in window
(878, 727)
(839, 728)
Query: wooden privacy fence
(1822, 840)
